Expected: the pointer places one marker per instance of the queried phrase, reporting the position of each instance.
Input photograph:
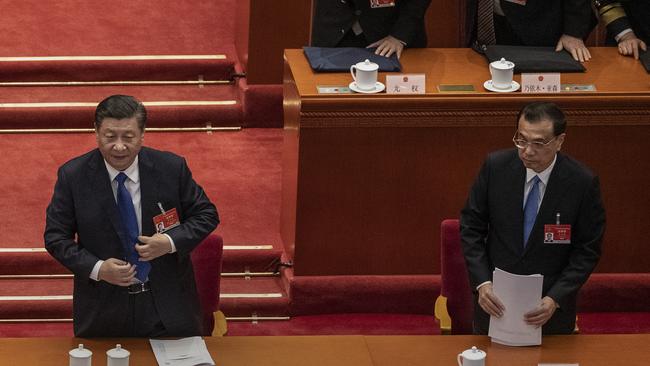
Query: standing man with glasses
(130, 279)
(533, 210)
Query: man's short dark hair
(538, 111)
(121, 107)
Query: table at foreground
(587, 350)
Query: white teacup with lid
(365, 76)
(471, 357)
(502, 72)
(117, 356)
(80, 356)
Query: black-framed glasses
(522, 143)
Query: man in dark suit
(628, 24)
(129, 280)
(564, 24)
(389, 25)
(519, 197)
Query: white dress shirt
(544, 175)
(132, 185)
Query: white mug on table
(471, 357)
(80, 356)
(502, 72)
(117, 356)
(366, 74)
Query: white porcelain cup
(117, 356)
(471, 357)
(366, 74)
(502, 72)
(80, 356)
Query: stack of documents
(519, 294)
(181, 352)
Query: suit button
(342, 30)
(343, 1)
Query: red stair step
(74, 107)
(263, 296)
(218, 66)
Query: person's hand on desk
(575, 46)
(117, 272)
(629, 45)
(540, 315)
(489, 302)
(152, 247)
(387, 46)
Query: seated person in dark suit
(520, 195)
(129, 279)
(389, 25)
(628, 24)
(564, 24)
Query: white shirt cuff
(618, 36)
(171, 241)
(483, 284)
(94, 274)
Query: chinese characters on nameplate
(540, 83)
(405, 84)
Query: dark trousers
(137, 317)
(143, 319)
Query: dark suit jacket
(83, 206)
(492, 231)
(404, 21)
(540, 22)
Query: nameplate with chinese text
(405, 84)
(540, 83)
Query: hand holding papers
(181, 352)
(519, 294)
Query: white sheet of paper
(519, 294)
(190, 351)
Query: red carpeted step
(25, 261)
(614, 322)
(29, 262)
(263, 296)
(53, 69)
(36, 329)
(414, 294)
(241, 260)
(74, 107)
(340, 324)
(36, 298)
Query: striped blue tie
(130, 224)
(530, 209)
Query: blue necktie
(130, 224)
(530, 209)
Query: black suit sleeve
(613, 16)
(198, 215)
(474, 225)
(61, 229)
(409, 21)
(578, 18)
(587, 235)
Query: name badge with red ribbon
(381, 3)
(166, 221)
(557, 234)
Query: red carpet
(240, 171)
(340, 324)
(118, 27)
